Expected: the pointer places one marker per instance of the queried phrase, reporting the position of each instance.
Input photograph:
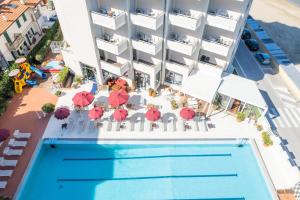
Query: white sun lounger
(181, 125)
(14, 143)
(195, 125)
(6, 173)
(148, 126)
(12, 152)
(116, 126)
(3, 184)
(19, 135)
(170, 125)
(6, 163)
(161, 126)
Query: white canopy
(202, 85)
(242, 89)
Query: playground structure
(25, 75)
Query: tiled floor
(21, 115)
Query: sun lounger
(109, 125)
(6, 173)
(161, 126)
(3, 184)
(14, 143)
(19, 135)
(12, 152)
(170, 125)
(148, 126)
(181, 126)
(132, 125)
(195, 125)
(142, 124)
(6, 163)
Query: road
(284, 111)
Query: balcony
(112, 44)
(223, 20)
(181, 44)
(178, 67)
(109, 19)
(184, 19)
(114, 67)
(146, 67)
(19, 39)
(210, 67)
(218, 45)
(147, 44)
(152, 19)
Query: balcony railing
(210, 67)
(147, 44)
(184, 19)
(19, 39)
(109, 19)
(148, 19)
(112, 44)
(144, 66)
(178, 67)
(223, 20)
(114, 67)
(181, 44)
(219, 45)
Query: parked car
(263, 58)
(246, 34)
(252, 44)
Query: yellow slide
(18, 87)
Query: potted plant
(259, 127)
(78, 79)
(48, 108)
(240, 116)
(174, 105)
(58, 93)
(266, 139)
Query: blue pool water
(93, 171)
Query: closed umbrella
(153, 114)
(62, 113)
(4, 134)
(96, 113)
(187, 113)
(120, 115)
(83, 99)
(117, 98)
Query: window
(7, 37)
(173, 78)
(24, 17)
(157, 78)
(18, 23)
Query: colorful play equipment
(23, 75)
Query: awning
(242, 89)
(202, 85)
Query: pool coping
(251, 142)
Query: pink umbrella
(83, 99)
(96, 113)
(120, 115)
(20, 60)
(4, 134)
(153, 114)
(62, 113)
(187, 113)
(117, 98)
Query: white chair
(14, 143)
(3, 184)
(6, 163)
(12, 152)
(6, 173)
(19, 135)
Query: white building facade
(152, 42)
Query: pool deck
(283, 174)
(21, 115)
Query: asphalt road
(284, 111)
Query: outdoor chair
(181, 126)
(3, 184)
(6, 173)
(19, 135)
(14, 143)
(195, 124)
(7, 163)
(12, 152)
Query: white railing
(226, 22)
(152, 20)
(114, 67)
(151, 45)
(113, 21)
(115, 46)
(186, 45)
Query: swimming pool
(181, 171)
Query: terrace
(185, 19)
(111, 43)
(147, 43)
(152, 19)
(112, 19)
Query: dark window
(24, 17)
(7, 37)
(173, 78)
(18, 23)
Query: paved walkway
(21, 115)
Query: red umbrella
(83, 99)
(117, 98)
(96, 113)
(153, 114)
(62, 113)
(120, 115)
(187, 113)
(4, 134)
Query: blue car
(263, 58)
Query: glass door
(142, 80)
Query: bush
(266, 139)
(78, 79)
(48, 108)
(240, 116)
(62, 76)
(58, 93)
(174, 105)
(152, 92)
(259, 127)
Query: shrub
(240, 116)
(174, 104)
(259, 127)
(266, 139)
(62, 76)
(78, 79)
(58, 93)
(48, 108)
(152, 92)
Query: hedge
(63, 75)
